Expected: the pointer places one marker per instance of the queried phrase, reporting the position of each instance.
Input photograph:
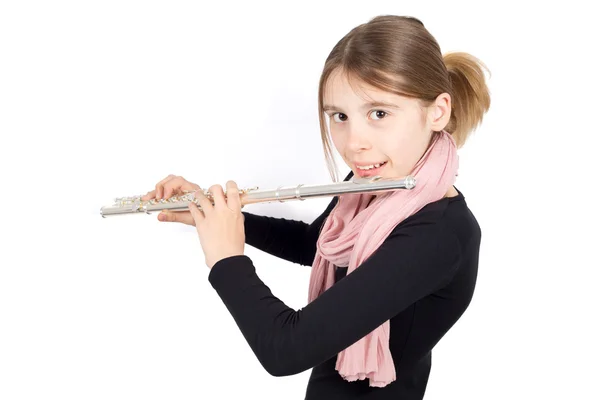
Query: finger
(176, 216)
(233, 196)
(149, 195)
(171, 186)
(177, 185)
(159, 186)
(218, 196)
(196, 214)
(205, 204)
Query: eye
(333, 115)
(344, 116)
(380, 116)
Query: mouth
(364, 173)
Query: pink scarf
(353, 231)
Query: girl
(391, 273)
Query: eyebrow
(328, 107)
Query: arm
(290, 240)
(412, 263)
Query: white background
(103, 99)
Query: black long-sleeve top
(421, 278)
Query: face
(374, 126)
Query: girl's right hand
(170, 186)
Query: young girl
(391, 273)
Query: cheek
(337, 139)
(405, 155)
(398, 151)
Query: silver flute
(134, 204)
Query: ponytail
(470, 94)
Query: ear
(440, 112)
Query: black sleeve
(409, 265)
(288, 239)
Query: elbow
(279, 354)
(278, 365)
(277, 372)
(279, 369)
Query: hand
(170, 186)
(220, 227)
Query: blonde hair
(397, 54)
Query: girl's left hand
(220, 227)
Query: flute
(375, 184)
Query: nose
(358, 138)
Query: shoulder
(425, 255)
(424, 235)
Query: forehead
(341, 86)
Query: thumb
(184, 217)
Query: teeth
(371, 166)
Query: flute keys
(244, 191)
(136, 205)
